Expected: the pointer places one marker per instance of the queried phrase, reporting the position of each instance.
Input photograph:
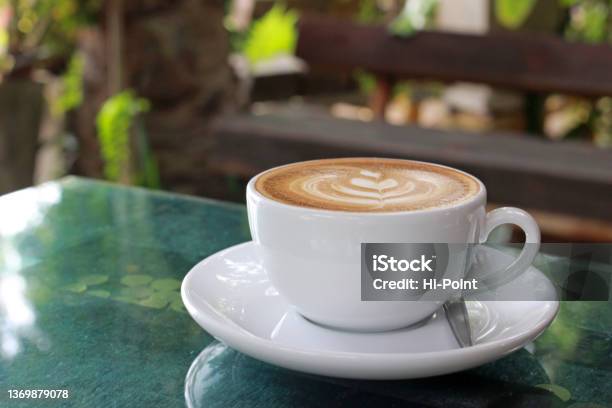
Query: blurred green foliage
(513, 13)
(602, 122)
(126, 158)
(369, 12)
(416, 15)
(365, 81)
(273, 34)
(47, 27)
(71, 95)
(41, 29)
(589, 21)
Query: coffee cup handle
(516, 216)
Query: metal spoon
(459, 320)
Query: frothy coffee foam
(366, 185)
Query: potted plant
(35, 35)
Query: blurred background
(196, 96)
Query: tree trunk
(174, 54)
(21, 107)
(91, 46)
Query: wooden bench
(522, 61)
(569, 184)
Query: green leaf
(402, 27)
(167, 296)
(136, 280)
(99, 293)
(154, 302)
(71, 95)
(94, 279)
(513, 13)
(594, 28)
(136, 292)
(78, 287)
(167, 284)
(113, 123)
(273, 34)
(365, 81)
(562, 393)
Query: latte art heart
(375, 185)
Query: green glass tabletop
(89, 303)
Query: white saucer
(230, 296)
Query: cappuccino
(367, 185)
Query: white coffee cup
(312, 256)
